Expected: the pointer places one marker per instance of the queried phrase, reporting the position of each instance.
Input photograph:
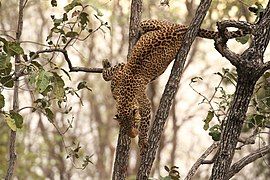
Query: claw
(106, 64)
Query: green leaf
(47, 90)
(15, 48)
(71, 34)
(83, 85)
(215, 132)
(56, 23)
(4, 40)
(256, 120)
(36, 64)
(84, 19)
(32, 78)
(49, 114)
(17, 118)
(43, 80)
(208, 119)
(5, 65)
(242, 40)
(73, 4)
(7, 81)
(10, 122)
(57, 30)
(2, 101)
(54, 3)
(58, 87)
(42, 103)
(65, 17)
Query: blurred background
(42, 151)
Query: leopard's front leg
(109, 71)
(145, 112)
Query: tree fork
(169, 92)
(250, 67)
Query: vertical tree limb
(12, 140)
(123, 144)
(250, 67)
(169, 92)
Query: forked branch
(220, 42)
(200, 161)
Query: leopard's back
(154, 52)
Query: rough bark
(169, 92)
(12, 143)
(250, 67)
(123, 144)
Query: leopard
(156, 48)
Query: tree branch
(220, 42)
(236, 167)
(200, 161)
(170, 91)
(12, 143)
(123, 142)
(71, 68)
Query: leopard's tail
(214, 34)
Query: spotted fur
(154, 51)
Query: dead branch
(201, 161)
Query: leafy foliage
(173, 173)
(44, 77)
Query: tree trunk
(12, 143)
(169, 92)
(123, 144)
(232, 126)
(250, 67)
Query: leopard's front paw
(143, 145)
